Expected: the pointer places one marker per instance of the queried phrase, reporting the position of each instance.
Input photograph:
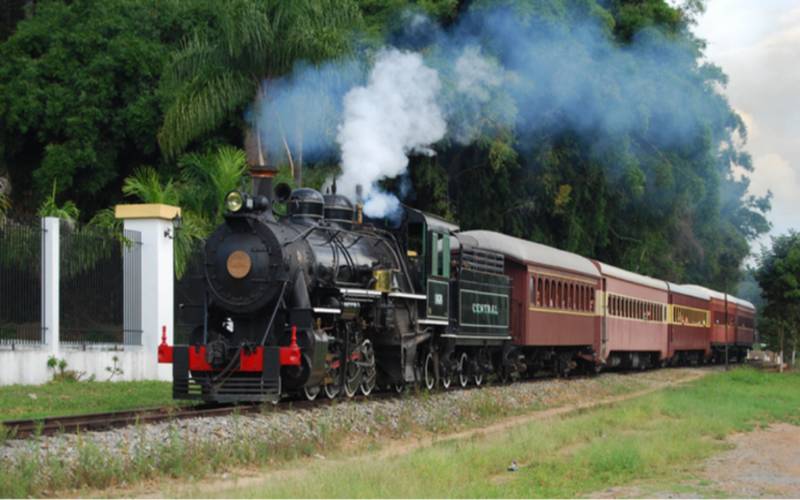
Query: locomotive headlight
(234, 201)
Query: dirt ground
(761, 464)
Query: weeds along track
(46, 426)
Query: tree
(663, 204)
(68, 211)
(207, 178)
(778, 276)
(218, 74)
(199, 190)
(79, 97)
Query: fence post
(51, 228)
(155, 223)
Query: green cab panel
(438, 299)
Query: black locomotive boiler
(319, 300)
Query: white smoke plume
(476, 76)
(395, 114)
(492, 71)
(476, 79)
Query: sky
(757, 44)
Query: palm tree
(207, 178)
(50, 208)
(200, 192)
(215, 76)
(146, 185)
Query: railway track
(21, 429)
(24, 429)
(47, 426)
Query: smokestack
(262, 180)
(260, 172)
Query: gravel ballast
(283, 431)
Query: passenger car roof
(713, 293)
(721, 296)
(741, 302)
(527, 252)
(622, 274)
(689, 290)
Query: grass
(48, 472)
(73, 398)
(36, 475)
(37, 472)
(645, 438)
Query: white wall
(29, 366)
(157, 289)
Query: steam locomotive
(322, 300)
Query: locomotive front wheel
(399, 387)
(463, 363)
(478, 379)
(311, 392)
(429, 372)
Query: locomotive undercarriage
(350, 364)
(448, 362)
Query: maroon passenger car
(727, 338)
(689, 325)
(634, 328)
(745, 326)
(554, 314)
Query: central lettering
(490, 309)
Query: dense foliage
(92, 91)
(635, 197)
(79, 96)
(778, 276)
(220, 72)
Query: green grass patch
(644, 438)
(74, 398)
(43, 472)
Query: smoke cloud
(299, 115)
(395, 114)
(494, 69)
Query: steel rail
(71, 424)
(19, 429)
(46, 426)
